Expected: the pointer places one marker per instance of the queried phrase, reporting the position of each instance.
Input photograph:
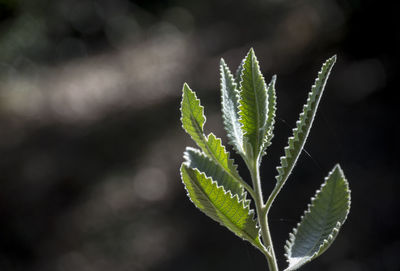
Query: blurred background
(91, 143)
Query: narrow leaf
(321, 222)
(197, 159)
(253, 105)
(230, 108)
(271, 94)
(303, 125)
(193, 120)
(220, 205)
(239, 72)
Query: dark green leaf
(303, 125)
(321, 222)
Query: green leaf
(239, 72)
(217, 152)
(253, 105)
(271, 94)
(221, 205)
(303, 125)
(321, 222)
(230, 108)
(193, 120)
(197, 159)
(192, 115)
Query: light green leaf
(197, 159)
(321, 222)
(217, 152)
(192, 116)
(303, 125)
(193, 120)
(220, 205)
(271, 94)
(253, 105)
(230, 108)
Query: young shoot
(213, 182)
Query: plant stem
(262, 216)
(271, 258)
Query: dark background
(91, 143)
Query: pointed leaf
(271, 94)
(239, 72)
(217, 152)
(253, 105)
(220, 205)
(321, 222)
(192, 115)
(197, 159)
(230, 108)
(193, 120)
(303, 125)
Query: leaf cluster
(212, 180)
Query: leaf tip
(338, 171)
(337, 167)
(185, 87)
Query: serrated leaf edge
(282, 169)
(200, 129)
(239, 71)
(331, 237)
(243, 195)
(271, 114)
(244, 202)
(203, 140)
(236, 136)
(261, 123)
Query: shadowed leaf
(321, 222)
(303, 125)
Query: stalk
(262, 216)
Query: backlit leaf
(197, 159)
(220, 205)
(230, 108)
(270, 113)
(193, 121)
(192, 116)
(253, 105)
